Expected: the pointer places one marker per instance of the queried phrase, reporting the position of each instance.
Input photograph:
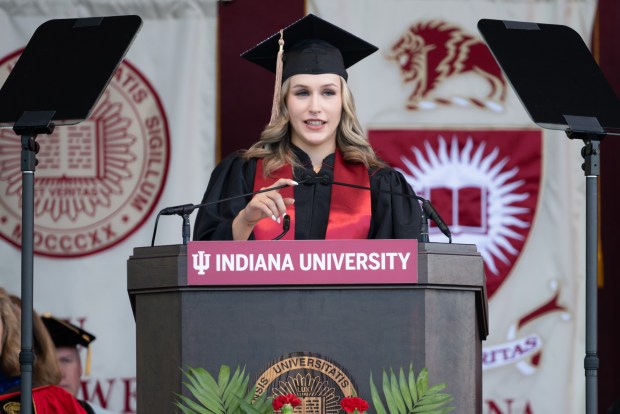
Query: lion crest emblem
(432, 52)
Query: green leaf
(218, 397)
(422, 382)
(224, 375)
(242, 389)
(435, 399)
(205, 388)
(376, 399)
(436, 388)
(233, 388)
(249, 408)
(213, 404)
(205, 379)
(410, 395)
(197, 384)
(190, 407)
(431, 408)
(262, 403)
(412, 385)
(398, 399)
(445, 410)
(184, 409)
(404, 390)
(192, 377)
(387, 393)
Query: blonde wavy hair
(274, 145)
(46, 370)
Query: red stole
(48, 399)
(349, 209)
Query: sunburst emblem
(95, 180)
(317, 396)
(474, 181)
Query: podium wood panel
(438, 324)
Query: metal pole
(26, 356)
(185, 232)
(591, 362)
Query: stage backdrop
(436, 106)
(149, 144)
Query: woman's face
(314, 104)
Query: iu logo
(200, 262)
(97, 181)
(484, 184)
(431, 53)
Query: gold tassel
(88, 360)
(277, 89)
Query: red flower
(281, 400)
(350, 404)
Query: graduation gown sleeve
(232, 177)
(393, 216)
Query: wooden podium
(437, 323)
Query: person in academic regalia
(68, 339)
(47, 397)
(45, 368)
(313, 139)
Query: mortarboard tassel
(277, 89)
(88, 360)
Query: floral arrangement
(354, 405)
(285, 403)
(404, 394)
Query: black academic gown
(393, 216)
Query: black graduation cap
(65, 334)
(311, 46)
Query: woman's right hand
(268, 204)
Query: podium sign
(288, 262)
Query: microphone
(180, 210)
(286, 225)
(428, 211)
(185, 210)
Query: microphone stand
(186, 229)
(186, 209)
(424, 228)
(428, 211)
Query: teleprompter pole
(26, 356)
(591, 168)
(28, 126)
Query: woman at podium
(312, 145)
